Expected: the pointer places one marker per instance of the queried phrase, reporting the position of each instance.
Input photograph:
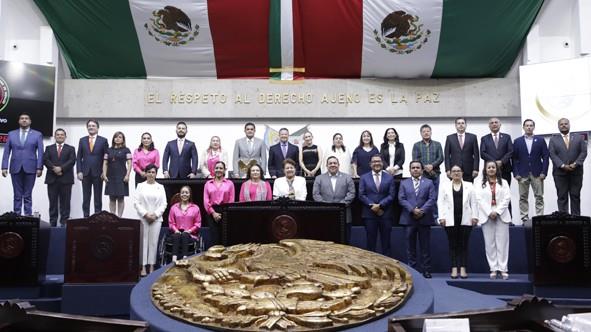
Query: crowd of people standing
(458, 204)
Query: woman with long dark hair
(494, 196)
(392, 152)
(339, 151)
(116, 169)
(143, 156)
(184, 222)
(362, 154)
(217, 191)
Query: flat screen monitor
(26, 88)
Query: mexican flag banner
(289, 39)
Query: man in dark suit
(417, 197)
(461, 149)
(335, 187)
(530, 167)
(89, 166)
(182, 154)
(281, 151)
(568, 152)
(59, 158)
(376, 193)
(24, 148)
(497, 147)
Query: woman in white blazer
(150, 203)
(458, 212)
(290, 185)
(494, 196)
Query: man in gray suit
(568, 152)
(248, 150)
(335, 187)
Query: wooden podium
(102, 248)
(272, 221)
(19, 250)
(560, 249)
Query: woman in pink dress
(217, 191)
(212, 155)
(184, 222)
(255, 188)
(143, 156)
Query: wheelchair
(166, 244)
(194, 246)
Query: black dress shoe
(427, 275)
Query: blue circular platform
(421, 301)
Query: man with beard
(24, 149)
(182, 154)
(568, 152)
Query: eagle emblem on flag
(171, 26)
(4, 94)
(401, 33)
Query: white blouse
(150, 198)
(281, 188)
(344, 158)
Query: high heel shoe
(463, 273)
(143, 272)
(454, 273)
(505, 275)
(493, 275)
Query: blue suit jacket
(536, 162)
(276, 158)
(91, 163)
(181, 164)
(28, 156)
(504, 152)
(425, 200)
(369, 194)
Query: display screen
(26, 88)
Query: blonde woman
(211, 156)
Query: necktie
(59, 150)
(23, 137)
(91, 142)
(416, 186)
(284, 149)
(291, 193)
(496, 139)
(179, 145)
(377, 180)
(566, 141)
(250, 145)
(461, 141)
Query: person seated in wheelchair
(184, 222)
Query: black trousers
(180, 243)
(214, 231)
(94, 185)
(423, 233)
(458, 238)
(569, 185)
(59, 200)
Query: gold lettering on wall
(396, 97)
